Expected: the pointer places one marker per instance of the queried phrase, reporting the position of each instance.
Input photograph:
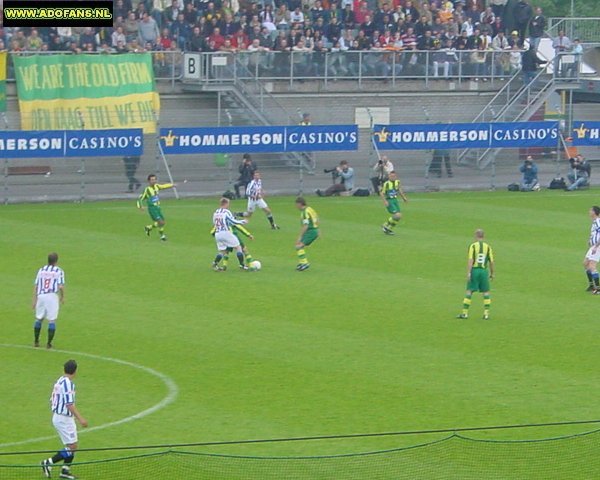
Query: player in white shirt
(48, 293)
(255, 196)
(590, 262)
(64, 413)
(223, 219)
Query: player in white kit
(64, 413)
(48, 293)
(223, 219)
(590, 262)
(255, 196)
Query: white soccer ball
(255, 265)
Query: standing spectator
(64, 413)
(577, 51)
(131, 28)
(48, 294)
(246, 169)
(197, 41)
(537, 26)
(529, 170)
(180, 31)
(529, 64)
(523, 14)
(148, 30)
(562, 44)
(131, 164)
(441, 156)
(498, 7)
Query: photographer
(346, 175)
(246, 169)
(529, 170)
(382, 171)
(581, 170)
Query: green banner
(64, 92)
(3, 81)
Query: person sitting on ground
(581, 170)
(529, 170)
(346, 174)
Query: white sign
(191, 63)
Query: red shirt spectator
(215, 39)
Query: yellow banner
(64, 92)
(131, 111)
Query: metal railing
(587, 29)
(361, 66)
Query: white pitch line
(173, 391)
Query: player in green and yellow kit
(150, 198)
(480, 270)
(308, 233)
(390, 190)
(239, 231)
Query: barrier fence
(448, 455)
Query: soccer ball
(255, 266)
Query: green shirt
(391, 189)
(481, 254)
(309, 217)
(150, 195)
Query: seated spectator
(215, 39)
(581, 171)
(118, 36)
(529, 170)
(165, 41)
(34, 42)
(180, 31)
(345, 174)
(347, 18)
(169, 14)
(297, 17)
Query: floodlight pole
(5, 164)
(229, 157)
(162, 154)
(82, 169)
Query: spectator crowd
(484, 36)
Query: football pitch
(365, 341)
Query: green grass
(365, 341)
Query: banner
(299, 138)
(3, 81)
(586, 133)
(465, 135)
(71, 143)
(97, 92)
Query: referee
(48, 293)
(64, 413)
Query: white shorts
(47, 307)
(593, 256)
(260, 203)
(66, 428)
(226, 240)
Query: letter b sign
(191, 62)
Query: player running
(150, 197)
(255, 195)
(480, 258)
(390, 190)
(223, 220)
(590, 262)
(239, 231)
(308, 233)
